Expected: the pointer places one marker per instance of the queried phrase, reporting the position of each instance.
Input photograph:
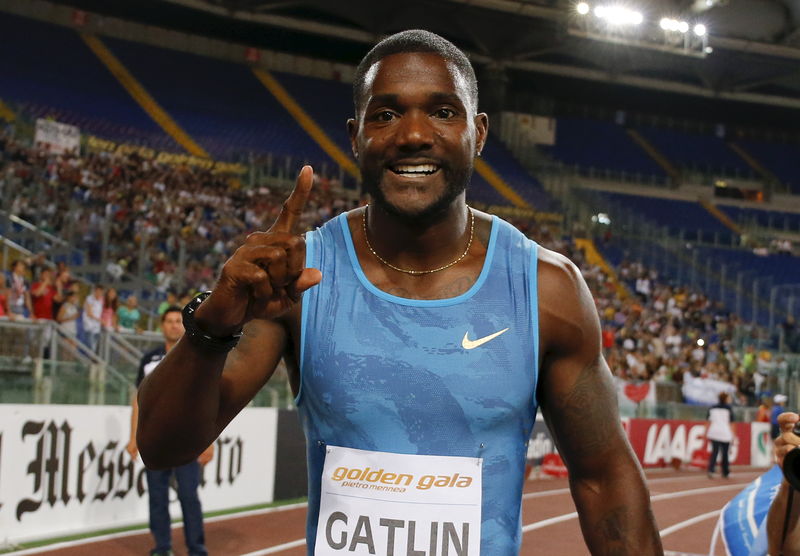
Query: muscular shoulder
(567, 313)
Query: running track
(686, 505)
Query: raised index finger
(294, 205)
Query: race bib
(393, 504)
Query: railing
(40, 363)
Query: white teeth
(415, 169)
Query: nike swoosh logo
(466, 343)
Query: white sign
(372, 502)
(64, 469)
(57, 137)
(539, 130)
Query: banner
(704, 391)
(534, 129)
(97, 144)
(64, 469)
(760, 445)
(657, 442)
(631, 394)
(57, 137)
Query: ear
(352, 131)
(481, 131)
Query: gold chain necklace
(418, 272)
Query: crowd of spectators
(146, 215)
(659, 332)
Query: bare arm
(194, 392)
(579, 403)
(777, 510)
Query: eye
(384, 116)
(444, 113)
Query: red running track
(686, 505)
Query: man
(92, 316)
(187, 476)
(419, 358)
(720, 432)
(777, 409)
(43, 294)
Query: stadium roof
(754, 57)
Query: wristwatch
(199, 337)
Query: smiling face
(416, 134)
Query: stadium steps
(751, 160)
(499, 184)
(6, 113)
(721, 216)
(142, 97)
(306, 122)
(655, 154)
(593, 256)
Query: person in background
(43, 293)
(172, 300)
(128, 315)
(720, 433)
(109, 317)
(92, 313)
(778, 408)
(187, 476)
(3, 296)
(764, 413)
(19, 295)
(68, 313)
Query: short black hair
(170, 309)
(415, 40)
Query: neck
(419, 243)
(169, 345)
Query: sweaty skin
(416, 111)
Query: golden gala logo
(353, 476)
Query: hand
(132, 449)
(207, 455)
(265, 277)
(787, 440)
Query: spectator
(92, 313)
(764, 414)
(43, 293)
(68, 315)
(3, 296)
(128, 315)
(172, 299)
(19, 295)
(109, 318)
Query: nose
(415, 132)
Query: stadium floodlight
(701, 342)
(700, 30)
(618, 15)
(683, 27)
(582, 8)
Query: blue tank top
(390, 374)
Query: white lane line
(143, 529)
(679, 494)
(277, 548)
(683, 524)
(548, 522)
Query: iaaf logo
(424, 482)
(763, 443)
(665, 443)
